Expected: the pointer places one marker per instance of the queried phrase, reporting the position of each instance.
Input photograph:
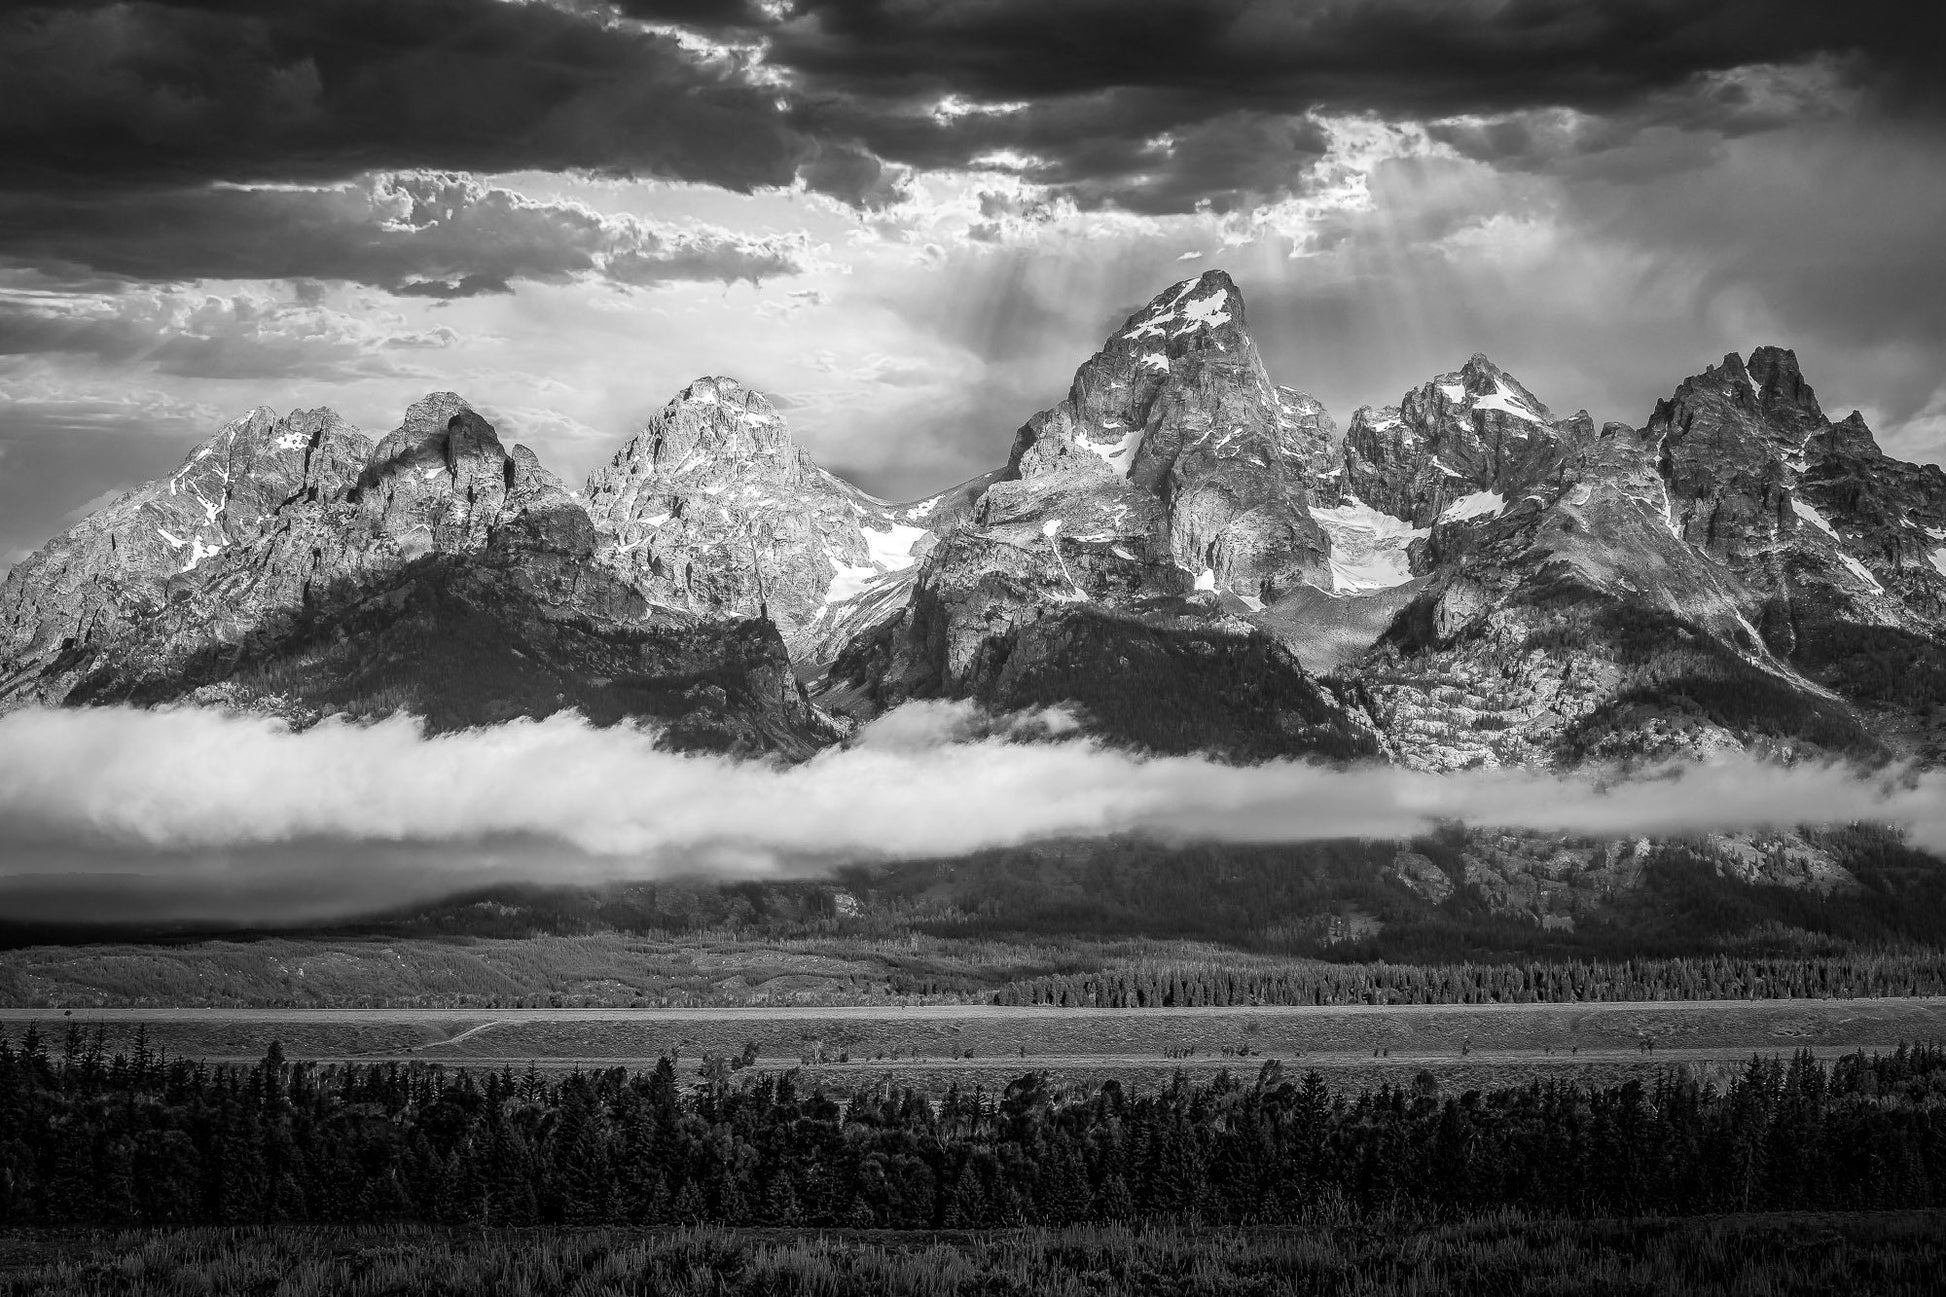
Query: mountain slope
(117, 565)
(713, 509)
(1664, 592)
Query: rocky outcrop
(1725, 461)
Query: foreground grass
(1888, 1253)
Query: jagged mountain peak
(113, 568)
(438, 481)
(1765, 395)
(713, 508)
(261, 433)
(1187, 309)
(1775, 369)
(1851, 434)
(1188, 341)
(714, 425)
(1478, 385)
(738, 413)
(1464, 435)
(1177, 454)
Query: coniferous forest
(132, 1140)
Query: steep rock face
(1833, 541)
(1470, 432)
(438, 482)
(1585, 627)
(1724, 457)
(714, 510)
(437, 573)
(1135, 524)
(1409, 490)
(119, 564)
(1893, 514)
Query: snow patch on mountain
(1480, 504)
(1809, 512)
(1860, 571)
(887, 550)
(198, 551)
(1206, 311)
(892, 547)
(1507, 401)
(1120, 454)
(1368, 548)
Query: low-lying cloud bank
(118, 814)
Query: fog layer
(118, 813)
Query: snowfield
(1368, 548)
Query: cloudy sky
(909, 220)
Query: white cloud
(210, 800)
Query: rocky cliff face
(1463, 435)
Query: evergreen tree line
(1714, 977)
(133, 1139)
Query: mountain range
(1188, 555)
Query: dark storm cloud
(1095, 84)
(178, 93)
(419, 234)
(1419, 58)
(97, 96)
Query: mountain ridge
(1462, 577)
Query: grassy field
(939, 1044)
(738, 970)
(1779, 1256)
(579, 971)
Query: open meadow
(939, 1044)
